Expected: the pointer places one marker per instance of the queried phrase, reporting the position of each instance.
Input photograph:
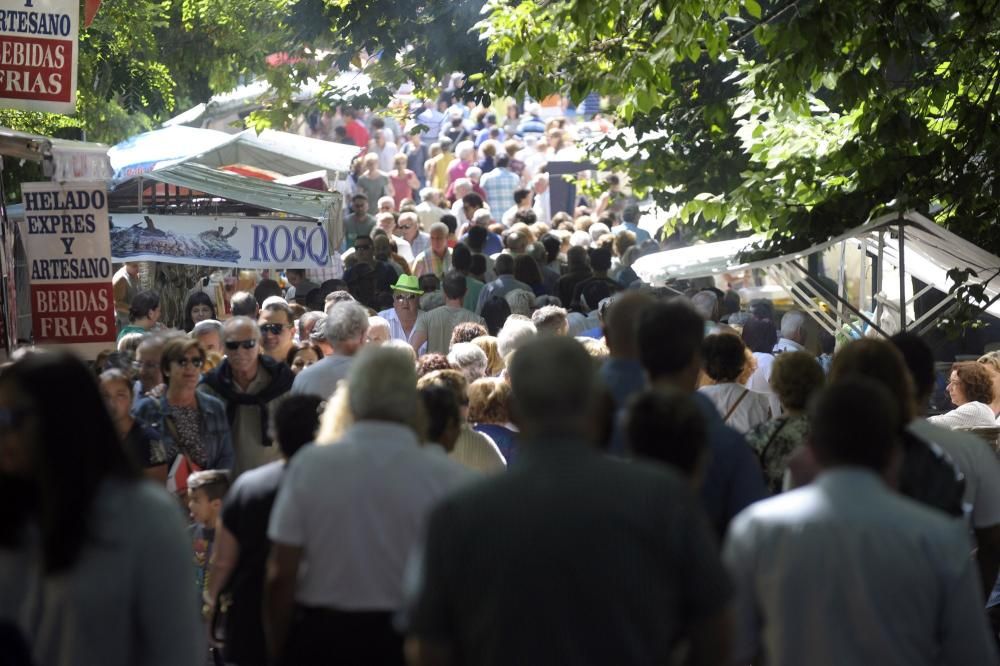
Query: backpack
(929, 476)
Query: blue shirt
(493, 244)
(505, 439)
(640, 234)
(733, 478)
(623, 377)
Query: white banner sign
(228, 242)
(39, 43)
(69, 260)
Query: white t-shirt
(357, 509)
(752, 410)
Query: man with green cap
(405, 310)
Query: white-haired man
(429, 209)
(408, 229)
(208, 333)
(793, 332)
(345, 328)
(345, 520)
(378, 331)
(460, 188)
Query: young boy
(205, 492)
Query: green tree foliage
(140, 60)
(394, 42)
(801, 118)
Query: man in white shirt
(408, 230)
(524, 199)
(429, 209)
(848, 571)
(345, 520)
(405, 310)
(543, 203)
(793, 332)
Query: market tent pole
(6, 265)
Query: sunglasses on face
(233, 345)
(196, 362)
(405, 297)
(273, 329)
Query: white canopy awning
(282, 152)
(929, 252)
(288, 154)
(260, 193)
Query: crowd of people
(489, 443)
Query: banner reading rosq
(227, 242)
(38, 54)
(66, 236)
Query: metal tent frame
(909, 242)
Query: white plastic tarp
(283, 152)
(930, 251)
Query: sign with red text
(68, 246)
(38, 54)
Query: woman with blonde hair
(473, 449)
(494, 362)
(991, 361)
(489, 413)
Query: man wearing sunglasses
(408, 228)
(247, 381)
(276, 330)
(405, 310)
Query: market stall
(193, 220)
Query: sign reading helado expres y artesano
(66, 236)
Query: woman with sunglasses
(192, 425)
(95, 566)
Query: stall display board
(65, 231)
(39, 46)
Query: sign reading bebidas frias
(38, 54)
(69, 260)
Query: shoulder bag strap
(736, 404)
(770, 440)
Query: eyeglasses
(405, 297)
(233, 345)
(196, 362)
(273, 329)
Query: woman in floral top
(795, 377)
